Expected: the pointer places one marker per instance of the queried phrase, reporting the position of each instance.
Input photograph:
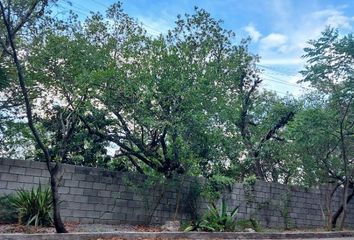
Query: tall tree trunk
(59, 226)
(340, 210)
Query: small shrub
(34, 207)
(8, 213)
(215, 220)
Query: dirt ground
(74, 227)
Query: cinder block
(67, 176)
(76, 191)
(63, 190)
(79, 213)
(100, 186)
(41, 180)
(119, 216)
(45, 173)
(4, 168)
(86, 220)
(38, 165)
(104, 193)
(100, 207)
(68, 168)
(84, 184)
(77, 176)
(6, 161)
(112, 187)
(91, 192)
(25, 179)
(8, 177)
(107, 216)
(94, 199)
(79, 198)
(65, 212)
(75, 206)
(127, 195)
(3, 184)
(87, 206)
(93, 214)
(14, 185)
(34, 172)
(71, 183)
(72, 219)
(67, 197)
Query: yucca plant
(219, 219)
(34, 206)
(215, 220)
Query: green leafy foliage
(34, 207)
(215, 185)
(216, 219)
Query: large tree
(323, 132)
(17, 18)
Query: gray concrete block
(101, 207)
(76, 191)
(68, 168)
(8, 177)
(4, 168)
(14, 185)
(104, 193)
(45, 173)
(34, 172)
(3, 184)
(25, 179)
(92, 214)
(77, 176)
(41, 180)
(84, 184)
(67, 176)
(100, 186)
(71, 183)
(120, 216)
(87, 206)
(81, 199)
(75, 206)
(63, 190)
(79, 213)
(91, 192)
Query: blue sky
(280, 29)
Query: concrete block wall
(93, 195)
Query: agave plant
(199, 225)
(34, 207)
(219, 219)
(216, 220)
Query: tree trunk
(345, 205)
(54, 183)
(340, 210)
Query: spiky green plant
(219, 219)
(34, 206)
(215, 220)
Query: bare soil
(75, 227)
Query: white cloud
(155, 26)
(334, 18)
(274, 40)
(253, 32)
(282, 61)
